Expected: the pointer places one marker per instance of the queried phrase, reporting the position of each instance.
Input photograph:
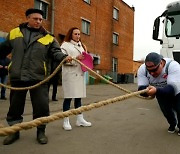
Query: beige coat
(73, 79)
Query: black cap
(154, 58)
(32, 10)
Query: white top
(172, 77)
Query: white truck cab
(170, 40)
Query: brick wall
(69, 13)
(125, 27)
(12, 13)
(102, 26)
(136, 65)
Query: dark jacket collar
(42, 30)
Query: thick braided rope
(36, 122)
(58, 68)
(39, 83)
(111, 83)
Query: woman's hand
(68, 59)
(80, 57)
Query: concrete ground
(131, 126)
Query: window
(115, 64)
(115, 38)
(172, 25)
(87, 1)
(85, 27)
(38, 4)
(115, 13)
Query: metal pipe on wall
(52, 18)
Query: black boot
(41, 137)
(11, 138)
(54, 99)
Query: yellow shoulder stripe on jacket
(46, 39)
(15, 33)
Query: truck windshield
(173, 25)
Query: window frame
(85, 29)
(40, 6)
(115, 13)
(115, 64)
(115, 38)
(87, 1)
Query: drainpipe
(52, 18)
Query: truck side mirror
(156, 29)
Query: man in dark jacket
(31, 46)
(4, 62)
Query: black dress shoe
(11, 138)
(41, 137)
(54, 99)
(4, 98)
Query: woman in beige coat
(73, 80)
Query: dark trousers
(39, 99)
(67, 103)
(55, 86)
(170, 106)
(3, 80)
